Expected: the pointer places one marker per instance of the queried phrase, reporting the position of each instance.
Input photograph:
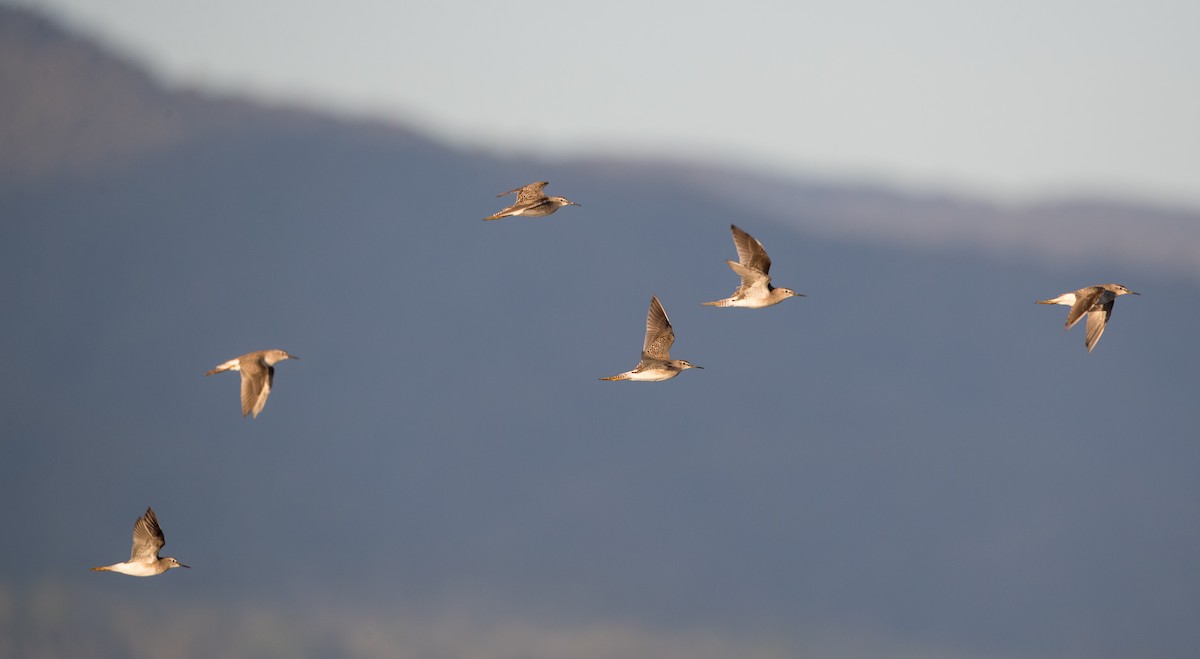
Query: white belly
(135, 569)
(652, 376)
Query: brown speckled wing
(750, 279)
(750, 252)
(147, 538)
(659, 335)
(256, 386)
(1085, 299)
(528, 193)
(531, 193)
(1097, 320)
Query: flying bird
(1094, 301)
(753, 265)
(656, 363)
(258, 372)
(143, 561)
(531, 202)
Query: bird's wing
(750, 277)
(531, 193)
(266, 391)
(1096, 322)
(750, 252)
(147, 538)
(527, 193)
(1085, 299)
(256, 386)
(659, 335)
(522, 206)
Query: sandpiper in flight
(1096, 302)
(756, 290)
(143, 560)
(656, 363)
(531, 202)
(258, 372)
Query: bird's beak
(1135, 292)
(293, 357)
(694, 366)
(575, 204)
(187, 566)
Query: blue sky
(1013, 99)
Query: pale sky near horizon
(1010, 99)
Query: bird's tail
(102, 568)
(1067, 299)
(224, 367)
(619, 376)
(717, 303)
(495, 217)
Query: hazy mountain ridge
(69, 106)
(895, 457)
(73, 106)
(1071, 230)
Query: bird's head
(276, 356)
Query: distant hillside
(1088, 233)
(70, 106)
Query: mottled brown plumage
(656, 363)
(753, 266)
(531, 202)
(148, 540)
(258, 374)
(1094, 301)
